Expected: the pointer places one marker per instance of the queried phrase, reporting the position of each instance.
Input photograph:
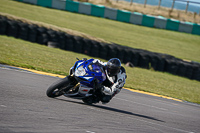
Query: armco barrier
(119, 15)
(136, 18)
(58, 4)
(97, 10)
(138, 57)
(44, 3)
(160, 22)
(172, 24)
(85, 8)
(196, 29)
(30, 1)
(148, 20)
(185, 27)
(72, 6)
(110, 13)
(123, 16)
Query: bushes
(62, 40)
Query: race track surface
(25, 108)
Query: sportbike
(84, 82)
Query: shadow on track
(112, 109)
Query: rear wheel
(59, 87)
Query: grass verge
(34, 56)
(181, 45)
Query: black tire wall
(137, 57)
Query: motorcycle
(84, 82)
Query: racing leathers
(112, 85)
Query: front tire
(57, 88)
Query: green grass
(181, 45)
(21, 53)
(34, 56)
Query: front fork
(73, 84)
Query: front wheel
(57, 89)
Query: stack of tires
(137, 57)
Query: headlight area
(80, 71)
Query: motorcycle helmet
(113, 67)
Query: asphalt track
(25, 108)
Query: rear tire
(57, 88)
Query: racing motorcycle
(84, 82)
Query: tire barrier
(69, 43)
(42, 37)
(32, 33)
(103, 50)
(87, 48)
(144, 60)
(134, 57)
(94, 49)
(12, 29)
(118, 15)
(78, 44)
(171, 66)
(61, 40)
(23, 31)
(3, 25)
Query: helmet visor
(112, 72)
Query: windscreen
(95, 67)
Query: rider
(116, 76)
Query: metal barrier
(119, 15)
(172, 6)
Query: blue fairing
(92, 71)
